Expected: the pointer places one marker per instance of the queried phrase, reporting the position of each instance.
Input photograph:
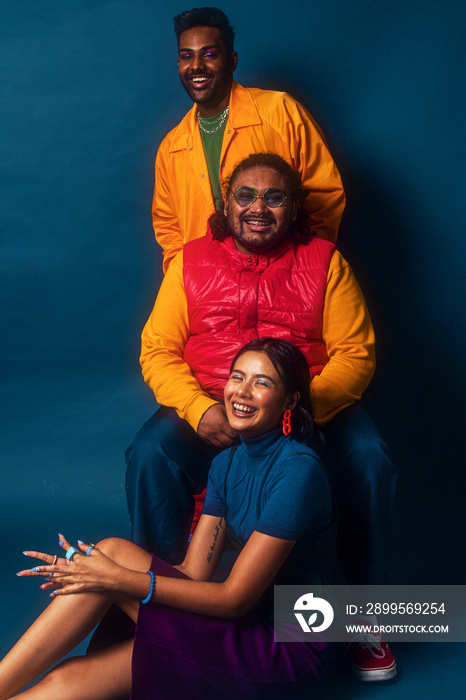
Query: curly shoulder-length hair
(300, 229)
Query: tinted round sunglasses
(272, 197)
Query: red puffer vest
(235, 297)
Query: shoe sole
(376, 674)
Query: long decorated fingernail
(19, 573)
(25, 554)
(36, 568)
(80, 542)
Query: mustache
(269, 217)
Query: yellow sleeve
(164, 218)
(163, 339)
(324, 194)
(349, 338)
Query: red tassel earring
(286, 427)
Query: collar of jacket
(257, 262)
(243, 112)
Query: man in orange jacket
(226, 124)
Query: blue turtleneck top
(277, 486)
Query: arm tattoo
(214, 543)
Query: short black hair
(300, 229)
(293, 369)
(206, 17)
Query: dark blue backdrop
(89, 90)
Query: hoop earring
(286, 424)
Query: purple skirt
(179, 654)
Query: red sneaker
(371, 658)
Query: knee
(355, 445)
(144, 446)
(144, 456)
(163, 437)
(369, 461)
(166, 450)
(110, 546)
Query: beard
(257, 233)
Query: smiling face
(255, 395)
(206, 69)
(258, 228)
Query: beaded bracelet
(151, 589)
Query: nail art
(25, 554)
(19, 573)
(80, 542)
(36, 568)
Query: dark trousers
(364, 479)
(168, 462)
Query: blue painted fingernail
(36, 568)
(80, 542)
(18, 574)
(25, 554)
(61, 543)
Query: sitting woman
(268, 497)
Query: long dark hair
(300, 229)
(292, 368)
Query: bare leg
(105, 675)
(65, 623)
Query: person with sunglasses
(259, 272)
(270, 499)
(226, 123)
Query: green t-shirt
(212, 143)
